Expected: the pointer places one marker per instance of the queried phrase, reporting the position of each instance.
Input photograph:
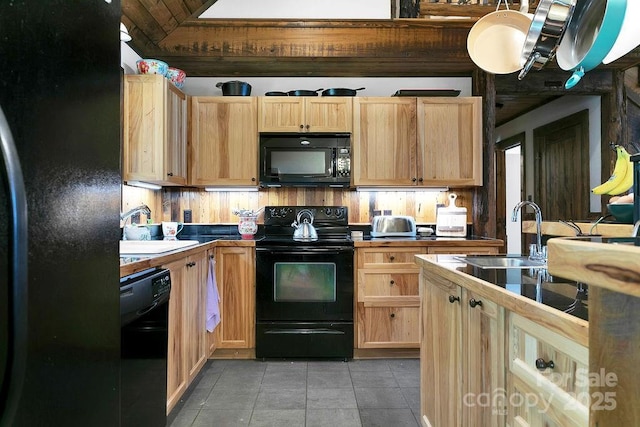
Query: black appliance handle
(11, 388)
(304, 331)
(305, 251)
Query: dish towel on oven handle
(213, 298)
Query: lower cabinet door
(388, 327)
(440, 367)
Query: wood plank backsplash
(168, 204)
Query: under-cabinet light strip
(146, 185)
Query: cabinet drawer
(565, 384)
(529, 409)
(388, 258)
(392, 283)
(388, 327)
(467, 250)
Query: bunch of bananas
(621, 180)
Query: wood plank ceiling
(430, 45)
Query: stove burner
(331, 224)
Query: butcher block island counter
(612, 271)
(497, 349)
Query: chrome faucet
(514, 217)
(141, 209)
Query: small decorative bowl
(152, 66)
(623, 212)
(177, 76)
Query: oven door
(304, 284)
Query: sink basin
(501, 261)
(139, 247)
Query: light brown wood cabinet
(387, 307)
(235, 272)
(305, 114)
(461, 356)
(431, 142)
(187, 348)
(384, 141)
(450, 141)
(154, 131)
(223, 148)
(541, 396)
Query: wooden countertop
(565, 324)
(151, 261)
(440, 241)
(556, 228)
(612, 266)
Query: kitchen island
(497, 347)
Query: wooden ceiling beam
(382, 43)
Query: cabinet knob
(414, 179)
(453, 298)
(391, 258)
(473, 302)
(420, 179)
(191, 264)
(301, 126)
(170, 174)
(393, 315)
(541, 364)
(253, 179)
(393, 282)
(307, 126)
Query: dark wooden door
(561, 168)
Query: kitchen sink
(501, 261)
(149, 247)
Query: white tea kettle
(305, 231)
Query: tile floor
(383, 392)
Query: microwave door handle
(17, 345)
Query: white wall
(374, 86)
(551, 112)
(299, 9)
(513, 185)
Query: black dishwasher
(144, 318)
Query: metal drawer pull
(473, 302)
(453, 299)
(542, 365)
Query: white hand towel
(213, 298)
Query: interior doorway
(561, 168)
(509, 190)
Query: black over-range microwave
(305, 160)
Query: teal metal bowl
(623, 212)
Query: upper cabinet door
(176, 136)
(450, 137)
(384, 141)
(224, 141)
(154, 131)
(281, 114)
(305, 114)
(328, 114)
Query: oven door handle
(306, 251)
(304, 331)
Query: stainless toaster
(393, 225)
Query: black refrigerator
(59, 279)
